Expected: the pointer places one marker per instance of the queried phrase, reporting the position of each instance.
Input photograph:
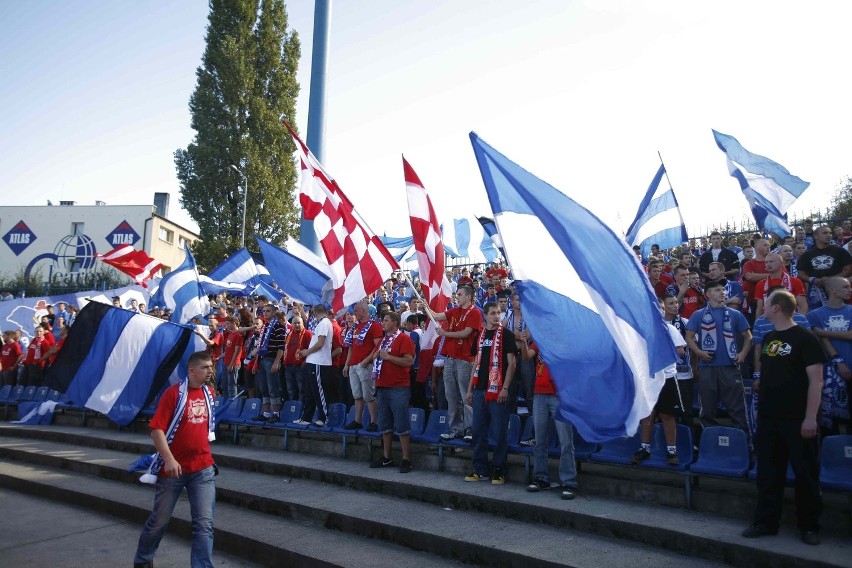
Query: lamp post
(245, 201)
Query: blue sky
(583, 94)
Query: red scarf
(785, 281)
(495, 365)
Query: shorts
(670, 401)
(393, 410)
(362, 383)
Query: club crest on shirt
(822, 262)
(837, 323)
(197, 411)
(777, 348)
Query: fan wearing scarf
(778, 276)
(182, 429)
(488, 392)
(394, 358)
(711, 334)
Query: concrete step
(697, 535)
(44, 532)
(260, 538)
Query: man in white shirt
(318, 380)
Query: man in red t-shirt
(777, 276)
(754, 272)
(33, 364)
(465, 322)
(298, 338)
(11, 356)
(362, 343)
(394, 357)
(232, 355)
(187, 462)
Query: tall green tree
(841, 202)
(246, 85)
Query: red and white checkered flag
(426, 231)
(359, 261)
(134, 263)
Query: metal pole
(245, 202)
(316, 105)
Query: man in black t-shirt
(790, 385)
(821, 262)
(488, 392)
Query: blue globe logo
(75, 253)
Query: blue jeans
(201, 491)
(228, 381)
(456, 379)
(268, 383)
(294, 377)
(489, 415)
(545, 407)
(393, 410)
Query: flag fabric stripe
(769, 188)
(135, 263)
(611, 340)
(398, 247)
(359, 261)
(181, 291)
(115, 361)
(194, 344)
(426, 236)
(239, 268)
(300, 279)
(658, 220)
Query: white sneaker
(301, 422)
(319, 423)
(448, 435)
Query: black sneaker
(372, 427)
(405, 466)
(810, 537)
(497, 477)
(568, 493)
(260, 418)
(354, 425)
(528, 443)
(273, 418)
(640, 456)
(756, 531)
(538, 485)
(467, 436)
(382, 462)
(672, 459)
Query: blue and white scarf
(362, 333)
(708, 333)
(150, 476)
(387, 341)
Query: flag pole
(665, 170)
(419, 297)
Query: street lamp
(245, 198)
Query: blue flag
(588, 303)
(658, 220)
(768, 187)
(239, 268)
(459, 237)
(398, 247)
(490, 228)
(300, 277)
(115, 361)
(181, 291)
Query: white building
(58, 241)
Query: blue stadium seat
(618, 451)
(722, 451)
(436, 425)
(5, 391)
(252, 408)
(16, 396)
(290, 411)
(417, 420)
(836, 463)
(658, 449)
(350, 416)
(527, 433)
(290, 426)
(365, 420)
(232, 409)
(28, 394)
(54, 395)
(789, 478)
(41, 394)
(336, 416)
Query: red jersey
(543, 380)
(796, 287)
(393, 375)
(233, 347)
(190, 446)
(458, 320)
(215, 350)
(693, 300)
(9, 355)
(59, 345)
(38, 347)
(501, 272)
(756, 266)
(296, 341)
(360, 350)
(337, 341)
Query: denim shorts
(393, 410)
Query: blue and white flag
(658, 220)
(301, 274)
(588, 304)
(116, 361)
(490, 228)
(768, 187)
(213, 287)
(195, 343)
(182, 292)
(466, 238)
(399, 247)
(239, 268)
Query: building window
(78, 228)
(165, 270)
(183, 242)
(167, 235)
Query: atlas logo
(19, 238)
(122, 235)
